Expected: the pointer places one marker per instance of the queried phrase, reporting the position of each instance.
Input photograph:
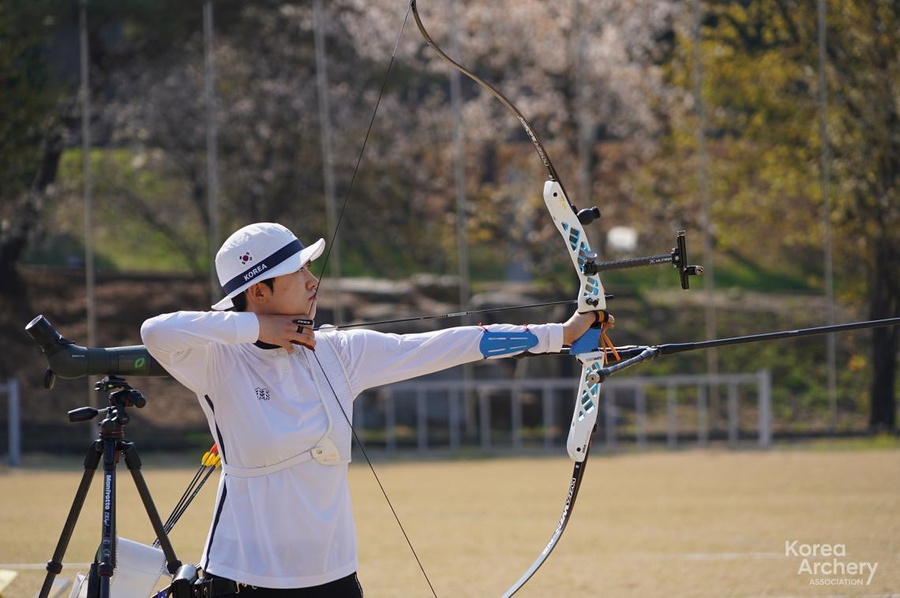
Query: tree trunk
(885, 303)
(12, 244)
(22, 219)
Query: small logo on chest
(262, 394)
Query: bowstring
(330, 245)
(362, 149)
(377, 479)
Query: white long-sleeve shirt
(283, 519)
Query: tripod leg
(133, 461)
(106, 565)
(54, 565)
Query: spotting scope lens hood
(68, 360)
(44, 334)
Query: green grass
(122, 237)
(865, 443)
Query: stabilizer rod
(640, 354)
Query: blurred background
(135, 135)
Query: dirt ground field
(686, 524)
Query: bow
(570, 223)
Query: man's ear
(258, 293)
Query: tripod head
(121, 395)
(68, 360)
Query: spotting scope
(68, 360)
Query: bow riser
(587, 405)
(591, 296)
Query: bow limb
(574, 485)
(579, 446)
(535, 139)
(568, 219)
(591, 298)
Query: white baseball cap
(258, 252)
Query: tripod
(109, 444)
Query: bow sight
(677, 257)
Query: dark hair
(240, 300)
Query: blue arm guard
(498, 344)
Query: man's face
(293, 294)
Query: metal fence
(535, 413)
(521, 413)
(14, 438)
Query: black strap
(211, 587)
(219, 587)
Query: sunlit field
(684, 524)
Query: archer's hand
(575, 327)
(284, 332)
